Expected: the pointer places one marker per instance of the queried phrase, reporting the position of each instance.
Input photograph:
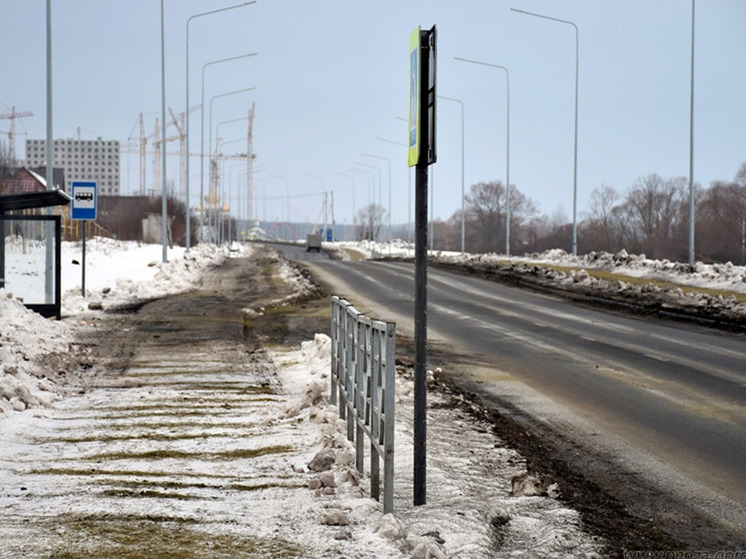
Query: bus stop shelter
(30, 254)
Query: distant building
(82, 160)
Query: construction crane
(12, 116)
(212, 197)
(156, 136)
(180, 125)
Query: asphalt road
(662, 403)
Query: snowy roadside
(706, 291)
(480, 502)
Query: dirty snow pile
(479, 493)
(715, 276)
(571, 272)
(121, 271)
(549, 266)
(116, 273)
(26, 337)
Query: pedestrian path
(173, 459)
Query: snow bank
(118, 272)
(26, 337)
(374, 249)
(713, 276)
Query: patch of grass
(181, 485)
(88, 472)
(142, 436)
(155, 425)
(133, 537)
(169, 454)
(150, 494)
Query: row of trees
(650, 217)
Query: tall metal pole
(388, 164)
(186, 112)
(164, 209)
(691, 151)
(380, 185)
(287, 208)
(49, 148)
(423, 113)
(202, 130)
(575, 150)
(49, 287)
(212, 100)
(371, 186)
(370, 177)
(354, 210)
(463, 222)
(508, 193)
(409, 191)
(324, 206)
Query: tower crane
(156, 140)
(180, 124)
(249, 156)
(12, 116)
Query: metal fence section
(362, 385)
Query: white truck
(313, 243)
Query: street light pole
(575, 156)
(371, 185)
(380, 181)
(287, 209)
(202, 127)
(463, 223)
(388, 164)
(691, 151)
(210, 152)
(324, 203)
(186, 112)
(164, 208)
(353, 201)
(508, 193)
(409, 190)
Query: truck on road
(313, 243)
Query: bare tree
(721, 223)
(740, 178)
(8, 165)
(370, 219)
(486, 214)
(601, 218)
(655, 207)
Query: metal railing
(362, 384)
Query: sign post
(421, 154)
(84, 208)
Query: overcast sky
(332, 78)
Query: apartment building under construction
(88, 160)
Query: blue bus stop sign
(85, 201)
